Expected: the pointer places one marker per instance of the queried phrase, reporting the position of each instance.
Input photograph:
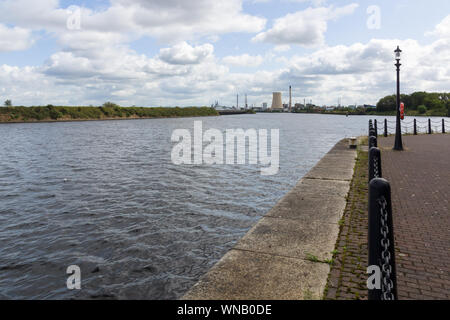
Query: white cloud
(168, 20)
(366, 72)
(357, 58)
(179, 19)
(306, 28)
(14, 39)
(124, 93)
(90, 42)
(182, 53)
(29, 14)
(314, 2)
(26, 85)
(67, 65)
(361, 72)
(244, 60)
(442, 29)
(282, 48)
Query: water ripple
(105, 196)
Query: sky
(196, 52)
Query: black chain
(386, 284)
(376, 174)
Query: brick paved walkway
(420, 184)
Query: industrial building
(277, 103)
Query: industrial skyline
(278, 103)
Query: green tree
(110, 105)
(417, 99)
(422, 109)
(433, 102)
(407, 100)
(387, 103)
(8, 103)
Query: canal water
(104, 195)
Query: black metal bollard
(375, 127)
(415, 127)
(374, 163)
(443, 126)
(381, 239)
(371, 129)
(385, 128)
(373, 142)
(429, 126)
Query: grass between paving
(347, 277)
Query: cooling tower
(276, 101)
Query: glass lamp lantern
(398, 53)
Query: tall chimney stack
(290, 98)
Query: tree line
(108, 110)
(432, 104)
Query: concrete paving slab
(324, 172)
(299, 206)
(243, 275)
(340, 155)
(336, 161)
(324, 189)
(291, 238)
(337, 164)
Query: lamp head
(397, 53)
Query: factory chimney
(290, 98)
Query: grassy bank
(409, 113)
(60, 113)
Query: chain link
(376, 174)
(387, 285)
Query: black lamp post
(398, 130)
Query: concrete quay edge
(274, 260)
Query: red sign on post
(402, 110)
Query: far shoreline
(108, 111)
(372, 114)
(203, 116)
(103, 119)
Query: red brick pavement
(420, 184)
